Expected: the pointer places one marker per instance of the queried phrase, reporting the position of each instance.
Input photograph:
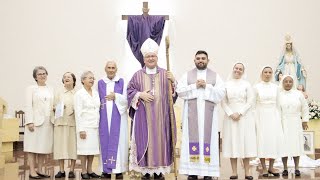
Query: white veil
(261, 73)
(294, 86)
(244, 75)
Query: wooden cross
(145, 10)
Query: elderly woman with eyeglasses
(38, 136)
(87, 106)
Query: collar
(151, 71)
(65, 90)
(202, 71)
(107, 80)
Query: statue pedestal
(314, 125)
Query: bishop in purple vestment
(151, 150)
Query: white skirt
(239, 137)
(40, 140)
(270, 138)
(90, 145)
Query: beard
(203, 67)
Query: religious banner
(142, 27)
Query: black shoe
(71, 174)
(85, 176)
(274, 173)
(105, 175)
(190, 177)
(234, 177)
(60, 174)
(207, 178)
(34, 177)
(160, 176)
(265, 175)
(285, 173)
(93, 175)
(119, 176)
(43, 175)
(297, 172)
(248, 177)
(146, 176)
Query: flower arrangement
(314, 109)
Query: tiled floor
(16, 168)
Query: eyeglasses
(42, 74)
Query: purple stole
(193, 119)
(109, 141)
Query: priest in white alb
(113, 126)
(201, 89)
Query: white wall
(77, 35)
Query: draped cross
(145, 10)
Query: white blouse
(86, 109)
(238, 92)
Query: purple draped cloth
(141, 28)
(152, 126)
(109, 141)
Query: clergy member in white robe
(113, 128)
(295, 116)
(201, 89)
(239, 131)
(270, 139)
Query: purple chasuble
(193, 119)
(109, 141)
(141, 28)
(152, 126)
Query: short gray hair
(36, 69)
(84, 75)
(111, 61)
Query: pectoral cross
(145, 10)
